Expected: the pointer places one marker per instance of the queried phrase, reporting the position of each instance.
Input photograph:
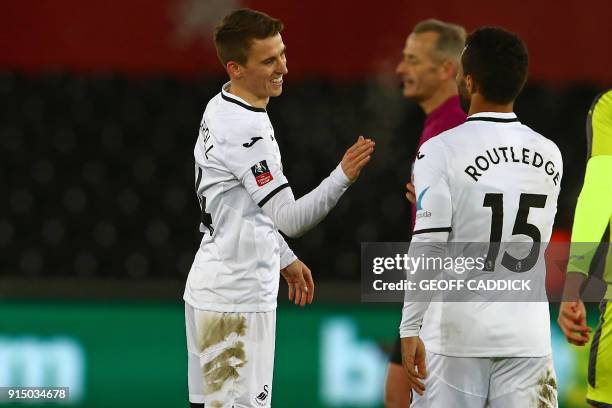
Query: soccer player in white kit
(245, 199)
(491, 179)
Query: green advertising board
(133, 354)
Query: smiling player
(245, 199)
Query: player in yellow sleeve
(593, 221)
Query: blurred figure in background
(592, 218)
(428, 69)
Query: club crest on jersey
(261, 172)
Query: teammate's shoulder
(545, 141)
(449, 134)
(433, 146)
(226, 118)
(220, 106)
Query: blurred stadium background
(101, 103)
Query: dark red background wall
(569, 41)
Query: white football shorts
(230, 358)
(474, 382)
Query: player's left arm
(296, 273)
(431, 232)
(590, 220)
(592, 215)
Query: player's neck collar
(499, 117)
(237, 100)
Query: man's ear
(449, 69)
(234, 70)
(470, 84)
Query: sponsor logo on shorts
(262, 173)
(261, 398)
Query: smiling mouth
(278, 81)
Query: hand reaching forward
(356, 157)
(299, 280)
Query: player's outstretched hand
(572, 321)
(413, 355)
(299, 280)
(356, 157)
(410, 194)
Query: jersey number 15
(496, 202)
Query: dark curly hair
(497, 60)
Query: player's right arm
(431, 232)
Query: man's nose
(400, 68)
(283, 68)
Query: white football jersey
(491, 179)
(238, 169)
